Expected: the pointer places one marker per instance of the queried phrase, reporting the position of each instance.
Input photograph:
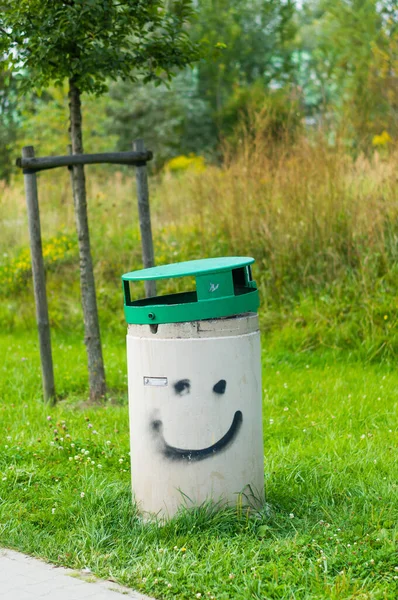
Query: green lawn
(330, 527)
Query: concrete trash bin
(194, 383)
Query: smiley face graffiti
(182, 388)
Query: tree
(173, 119)
(8, 122)
(86, 42)
(245, 41)
(348, 60)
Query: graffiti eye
(182, 387)
(219, 387)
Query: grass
(323, 227)
(330, 526)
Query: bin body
(195, 404)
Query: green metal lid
(224, 287)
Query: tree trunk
(91, 326)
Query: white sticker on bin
(156, 381)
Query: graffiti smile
(173, 453)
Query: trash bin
(194, 384)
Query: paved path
(26, 578)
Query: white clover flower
(82, 494)
(291, 516)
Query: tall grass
(309, 212)
(322, 225)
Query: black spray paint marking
(180, 454)
(182, 387)
(219, 387)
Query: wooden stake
(39, 280)
(148, 257)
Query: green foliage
(337, 61)
(8, 122)
(364, 100)
(348, 61)
(47, 42)
(275, 115)
(171, 119)
(244, 41)
(43, 119)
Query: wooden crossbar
(31, 165)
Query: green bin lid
(224, 287)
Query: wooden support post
(39, 281)
(52, 162)
(148, 257)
